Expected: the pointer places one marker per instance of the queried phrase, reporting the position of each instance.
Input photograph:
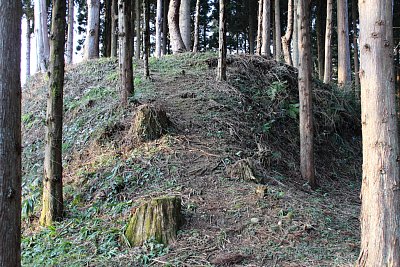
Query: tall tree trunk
(355, 46)
(92, 31)
(252, 14)
(295, 39)
(173, 22)
(41, 34)
(125, 50)
(286, 39)
(344, 70)
(28, 49)
(10, 133)
(221, 72)
(165, 27)
(138, 32)
(278, 32)
(159, 27)
(380, 216)
(146, 31)
(52, 207)
(70, 38)
(305, 95)
(114, 28)
(259, 26)
(266, 29)
(108, 17)
(319, 28)
(328, 42)
(196, 28)
(184, 23)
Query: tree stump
(149, 123)
(243, 170)
(158, 219)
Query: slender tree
(355, 45)
(173, 22)
(41, 35)
(344, 70)
(114, 28)
(52, 207)
(380, 216)
(125, 50)
(295, 39)
(146, 36)
(305, 95)
(319, 29)
(286, 39)
(92, 31)
(328, 43)
(266, 29)
(259, 26)
(10, 133)
(138, 31)
(28, 49)
(278, 32)
(70, 37)
(165, 27)
(221, 74)
(196, 27)
(159, 13)
(252, 14)
(184, 23)
(107, 28)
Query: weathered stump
(158, 219)
(243, 170)
(149, 123)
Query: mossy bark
(149, 123)
(158, 219)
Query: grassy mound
(252, 118)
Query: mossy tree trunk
(165, 27)
(125, 50)
(52, 207)
(196, 28)
(70, 37)
(10, 133)
(146, 36)
(114, 28)
(286, 39)
(259, 27)
(157, 219)
(138, 31)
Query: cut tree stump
(158, 219)
(149, 123)
(243, 170)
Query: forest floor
(251, 118)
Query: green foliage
(276, 88)
(151, 249)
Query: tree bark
(114, 28)
(196, 28)
(278, 32)
(305, 95)
(184, 23)
(41, 34)
(92, 31)
(344, 70)
(221, 74)
(165, 28)
(125, 50)
(355, 46)
(146, 50)
(295, 39)
(380, 217)
(52, 207)
(266, 29)
(259, 26)
(138, 32)
(159, 21)
(70, 37)
(177, 43)
(319, 28)
(328, 43)
(286, 39)
(10, 133)
(107, 34)
(28, 49)
(252, 14)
